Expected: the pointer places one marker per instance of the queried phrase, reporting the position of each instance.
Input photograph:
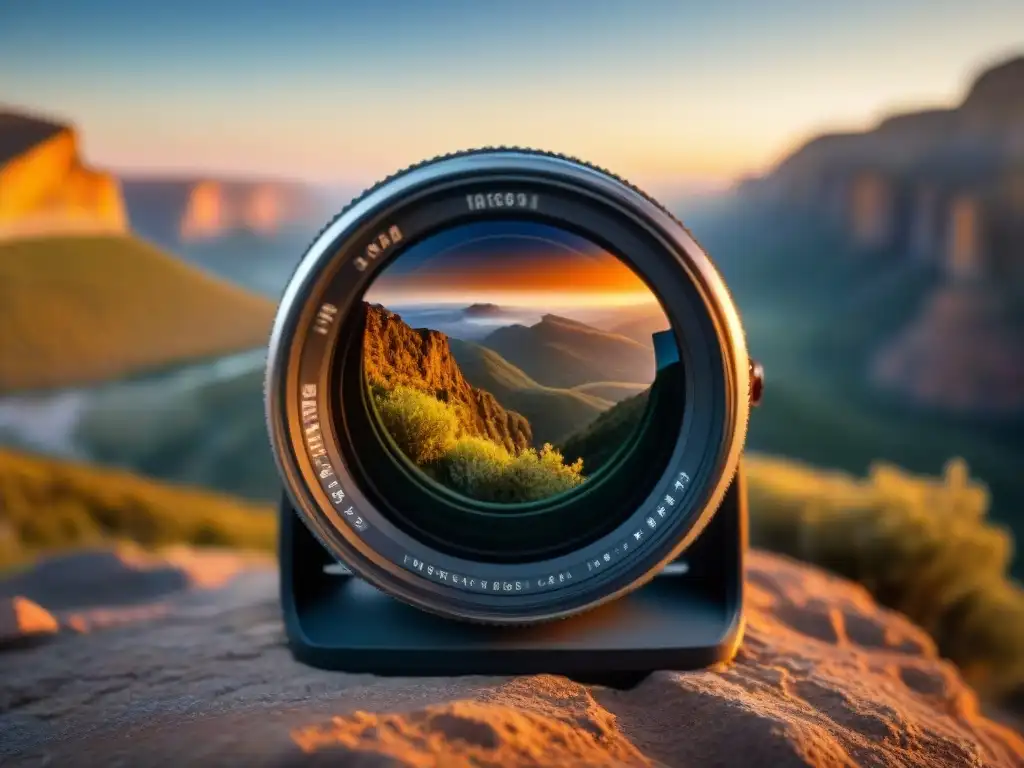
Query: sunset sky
(667, 92)
(511, 263)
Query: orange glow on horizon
(544, 299)
(597, 273)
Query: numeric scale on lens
(506, 390)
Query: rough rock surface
(199, 675)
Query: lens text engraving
(495, 200)
(315, 447)
(324, 318)
(381, 243)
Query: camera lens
(505, 386)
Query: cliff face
(46, 187)
(943, 188)
(397, 354)
(945, 184)
(190, 210)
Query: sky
(673, 94)
(539, 266)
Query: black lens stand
(688, 617)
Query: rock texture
(824, 678)
(46, 187)
(397, 354)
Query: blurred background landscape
(865, 208)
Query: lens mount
(326, 456)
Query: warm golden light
(570, 278)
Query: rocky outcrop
(962, 353)
(824, 678)
(173, 211)
(397, 354)
(22, 621)
(46, 187)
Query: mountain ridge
(86, 309)
(564, 353)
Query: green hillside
(610, 390)
(79, 310)
(598, 441)
(553, 413)
(48, 505)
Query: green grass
(921, 545)
(48, 505)
(80, 310)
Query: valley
(481, 425)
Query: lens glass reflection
(510, 361)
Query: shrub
(423, 427)
(475, 467)
(484, 470)
(49, 505)
(920, 545)
(534, 475)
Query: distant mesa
(485, 311)
(945, 186)
(172, 210)
(47, 188)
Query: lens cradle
(321, 463)
(682, 621)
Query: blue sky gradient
(343, 92)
